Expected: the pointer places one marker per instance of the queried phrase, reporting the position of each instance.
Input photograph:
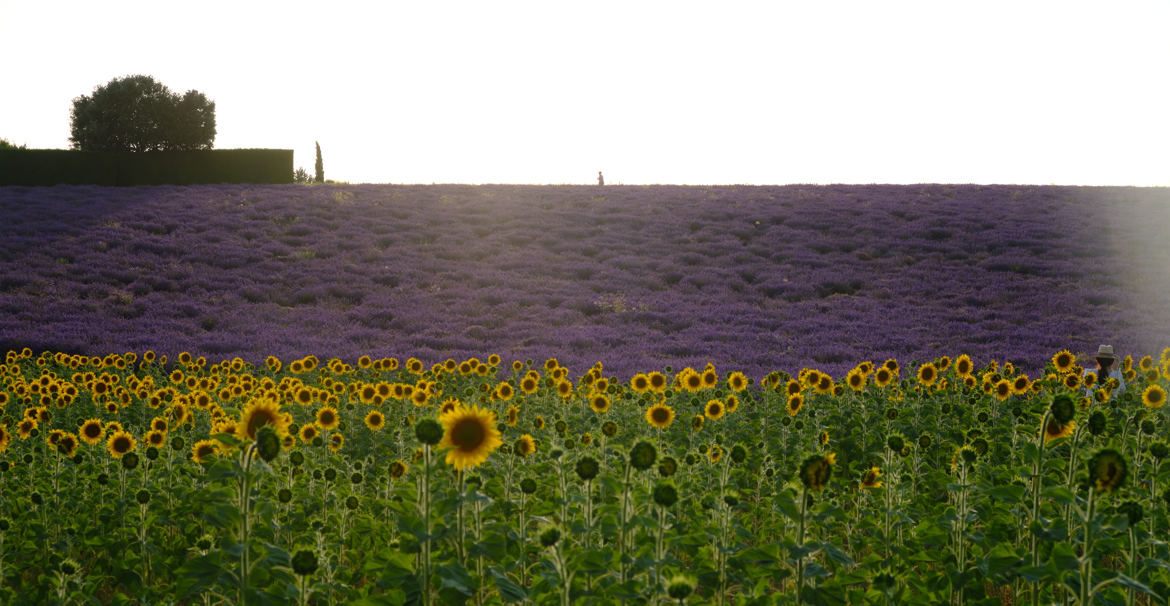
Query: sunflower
(91, 431)
(397, 469)
(697, 422)
(927, 374)
(872, 478)
(524, 446)
(564, 389)
(1003, 389)
(883, 376)
(690, 380)
(640, 383)
(336, 441)
(824, 384)
(660, 416)
(327, 418)
(963, 366)
(1020, 385)
(308, 432)
(375, 420)
(714, 410)
(1054, 429)
(504, 391)
(737, 381)
(732, 403)
(795, 403)
(1154, 396)
(855, 379)
(710, 377)
(657, 381)
(512, 416)
(1063, 361)
(599, 403)
(1107, 470)
(823, 438)
(715, 453)
(529, 384)
(25, 428)
(120, 443)
(1072, 381)
(816, 470)
(471, 435)
(204, 450)
(155, 438)
(5, 438)
(261, 412)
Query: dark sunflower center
(92, 431)
(468, 434)
(660, 415)
(122, 445)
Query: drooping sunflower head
(470, 434)
(660, 416)
(1107, 470)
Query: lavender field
(638, 277)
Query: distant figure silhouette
(600, 179)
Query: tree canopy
(137, 113)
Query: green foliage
(137, 113)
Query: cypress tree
(319, 166)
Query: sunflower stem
(800, 544)
(1087, 555)
(1036, 484)
(425, 500)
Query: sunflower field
(134, 478)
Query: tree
(319, 166)
(4, 144)
(136, 113)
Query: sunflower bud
(428, 431)
(550, 536)
(587, 468)
(142, 496)
(643, 455)
(304, 563)
(895, 442)
(1062, 408)
(667, 467)
(1097, 423)
(267, 443)
(68, 567)
(680, 587)
(1132, 511)
(1159, 450)
(738, 454)
(528, 486)
(129, 461)
(665, 494)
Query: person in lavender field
(1107, 369)
(600, 179)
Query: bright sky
(889, 91)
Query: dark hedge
(34, 167)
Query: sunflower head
(1062, 408)
(470, 434)
(259, 413)
(1154, 396)
(816, 470)
(1097, 423)
(428, 431)
(587, 468)
(795, 403)
(643, 455)
(1054, 429)
(524, 446)
(1107, 470)
(871, 478)
(120, 443)
(665, 494)
(1063, 361)
(660, 416)
(714, 409)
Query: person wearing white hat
(1106, 369)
